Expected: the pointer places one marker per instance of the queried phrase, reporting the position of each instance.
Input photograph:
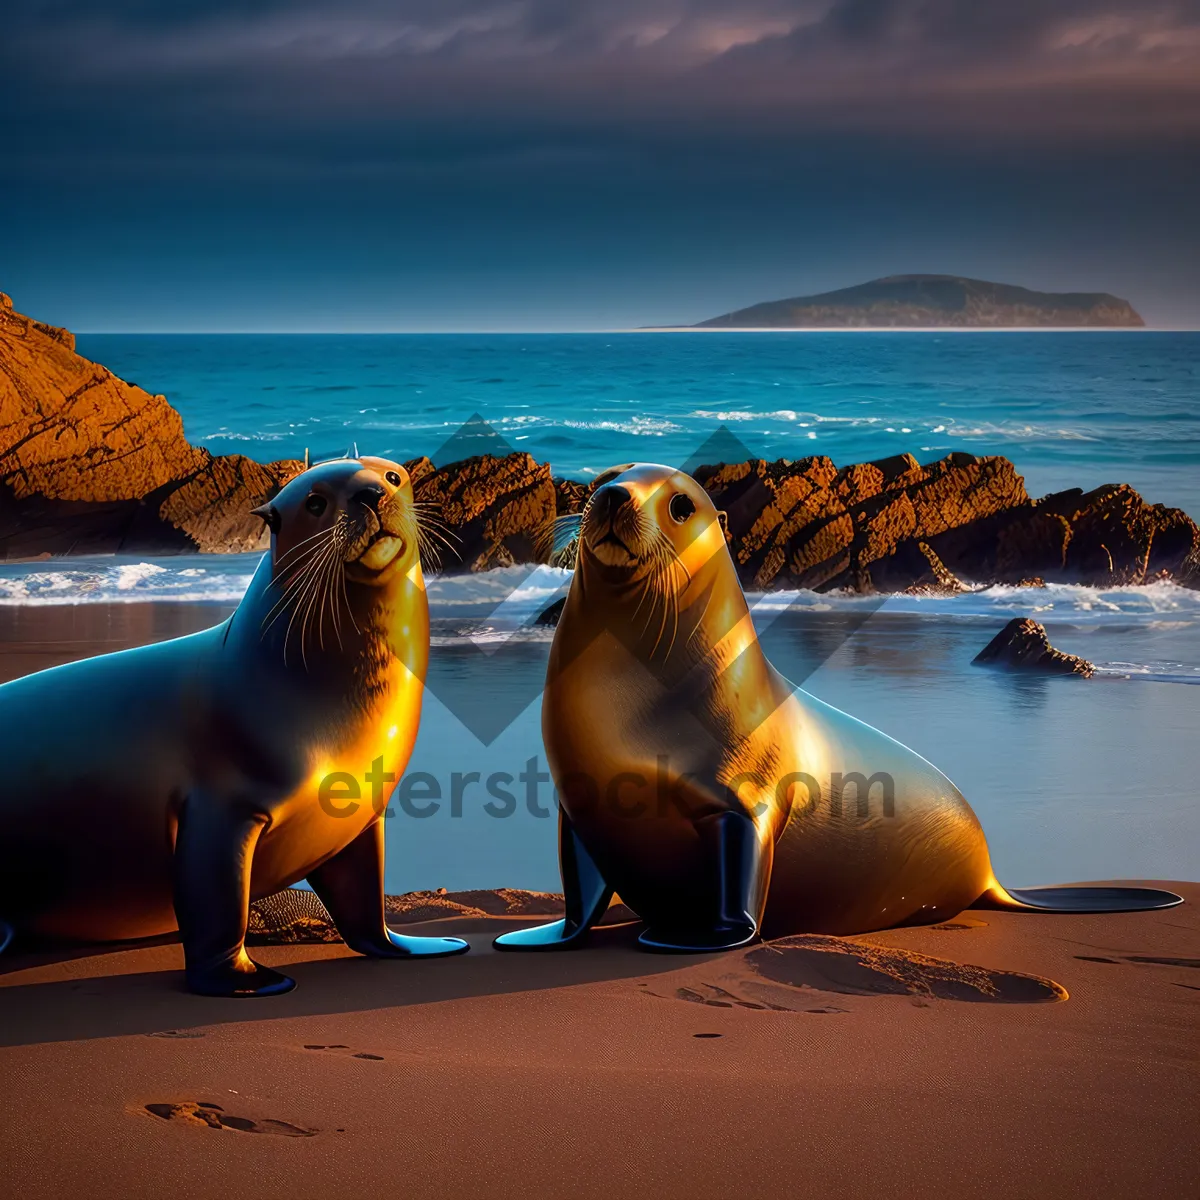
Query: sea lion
(715, 798)
(168, 786)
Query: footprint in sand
(781, 976)
(832, 964)
(361, 1054)
(1141, 960)
(205, 1114)
(177, 1033)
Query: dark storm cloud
(435, 163)
(253, 71)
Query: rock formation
(1023, 643)
(92, 464)
(894, 524)
(496, 511)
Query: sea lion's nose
(370, 496)
(612, 497)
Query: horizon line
(614, 331)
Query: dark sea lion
(715, 798)
(170, 785)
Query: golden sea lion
(170, 785)
(715, 798)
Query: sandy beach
(878, 1065)
(995, 1055)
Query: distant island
(933, 301)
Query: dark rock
(1023, 643)
(500, 511)
(551, 613)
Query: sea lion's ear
(269, 514)
(724, 520)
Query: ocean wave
(1011, 431)
(211, 579)
(1152, 672)
(511, 597)
(1057, 602)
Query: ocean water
(1072, 779)
(1070, 409)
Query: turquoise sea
(1072, 779)
(1071, 409)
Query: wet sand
(998, 1055)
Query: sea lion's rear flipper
(587, 895)
(742, 863)
(1073, 899)
(350, 885)
(6, 936)
(214, 850)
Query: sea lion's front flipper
(742, 871)
(214, 850)
(350, 885)
(586, 892)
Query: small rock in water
(1023, 643)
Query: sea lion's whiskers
(337, 579)
(321, 593)
(304, 602)
(424, 515)
(292, 585)
(427, 539)
(283, 561)
(660, 572)
(429, 531)
(305, 591)
(290, 589)
(550, 540)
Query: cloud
(275, 73)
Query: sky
(301, 165)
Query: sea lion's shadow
(153, 1001)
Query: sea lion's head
(352, 516)
(650, 523)
(345, 563)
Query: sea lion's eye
(393, 478)
(681, 507)
(316, 504)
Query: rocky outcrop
(868, 527)
(90, 463)
(496, 511)
(1023, 643)
(892, 525)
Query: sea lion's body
(168, 786)
(716, 799)
(831, 871)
